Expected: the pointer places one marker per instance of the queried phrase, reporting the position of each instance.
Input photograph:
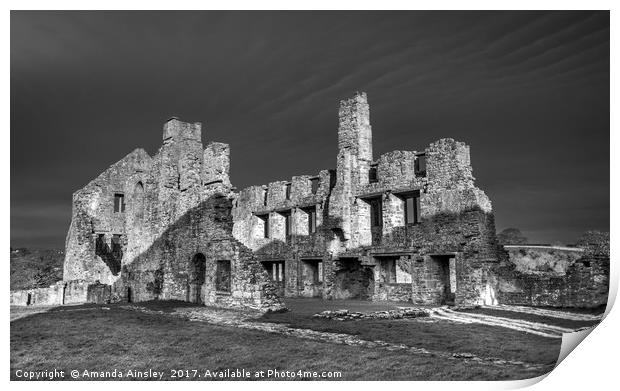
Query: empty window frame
(311, 212)
(222, 276)
(116, 246)
(288, 191)
(288, 223)
(265, 197)
(412, 208)
(100, 245)
(372, 174)
(376, 212)
(420, 165)
(314, 185)
(275, 270)
(265, 220)
(389, 270)
(119, 202)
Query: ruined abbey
(409, 225)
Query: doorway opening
(353, 281)
(444, 273)
(198, 269)
(312, 277)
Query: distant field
(109, 337)
(35, 268)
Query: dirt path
(536, 328)
(18, 312)
(546, 312)
(544, 330)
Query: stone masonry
(404, 226)
(161, 228)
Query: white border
(592, 362)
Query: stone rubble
(400, 313)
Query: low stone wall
(52, 295)
(70, 292)
(264, 298)
(553, 276)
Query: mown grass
(92, 338)
(482, 340)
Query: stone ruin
(404, 226)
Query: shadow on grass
(433, 334)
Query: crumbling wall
(537, 259)
(392, 278)
(182, 212)
(552, 276)
(258, 206)
(177, 204)
(71, 292)
(52, 295)
(218, 157)
(99, 293)
(453, 217)
(94, 215)
(163, 271)
(351, 280)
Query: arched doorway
(197, 271)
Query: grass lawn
(481, 340)
(91, 338)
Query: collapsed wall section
(552, 276)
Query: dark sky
(528, 91)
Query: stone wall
(71, 292)
(174, 227)
(94, 215)
(553, 276)
(408, 226)
(453, 218)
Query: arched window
(138, 203)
